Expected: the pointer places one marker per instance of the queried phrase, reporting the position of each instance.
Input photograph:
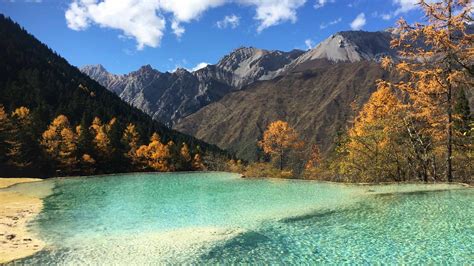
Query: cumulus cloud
(330, 23)
(321, 3)
(231, 21)
(358, 22)
(200, 66)
(273, 12)
(137, 19)
(144, 20)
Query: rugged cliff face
(168, 97)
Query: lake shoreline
(16, 211)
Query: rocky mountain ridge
(168, 97)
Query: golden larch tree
(59, 142)
(184, 152)
(131, 139)
(4, 132)
(20, 139)
(437, 58)
(101, 137)
(375, 147)
(198, 165)
(315, 157)
(278, 139)
(155, 154)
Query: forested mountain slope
(34, 76)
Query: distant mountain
(168, 97)
(34, 76)
(316, 101)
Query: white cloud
(309, 44)
(137, 19)
(232, 21)
(386, 16)
(358, 22)
(405, 6)
(144, 20)
(330, 23)
(178, 30)
(274, 12)
(322, 3)
(200, 66)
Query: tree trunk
(449, 169)
(281, 160)
(449, 128)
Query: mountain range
(231, 103)
(168, 97)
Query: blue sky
(123, 35)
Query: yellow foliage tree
(315, 158)
(198, 165)
(4, 129)
(101, 137)
(59, 142)
(20, 140)
(438, 61)
(130, 139)
(184, 152)
(155, 154)
(375, 148)
(278, 139)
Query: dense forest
(417, 129)
(38, 87)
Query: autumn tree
(21, 139)
(198, 165)
(173, 156)
(278, 140)
(101, 137)
(437, 58)
(5, 126)
(155, 154)
(184, 157)
(60, 143)
(376, 147)
(130, 140)
(313, 163)
(85, 148)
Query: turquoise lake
(211, 218)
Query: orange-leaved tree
(60, 143)
(375, 149)
(155, 154)
(278, 139)
(438, 60)
(130, 140)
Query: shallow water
(221, 218)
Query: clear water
(221, 218)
